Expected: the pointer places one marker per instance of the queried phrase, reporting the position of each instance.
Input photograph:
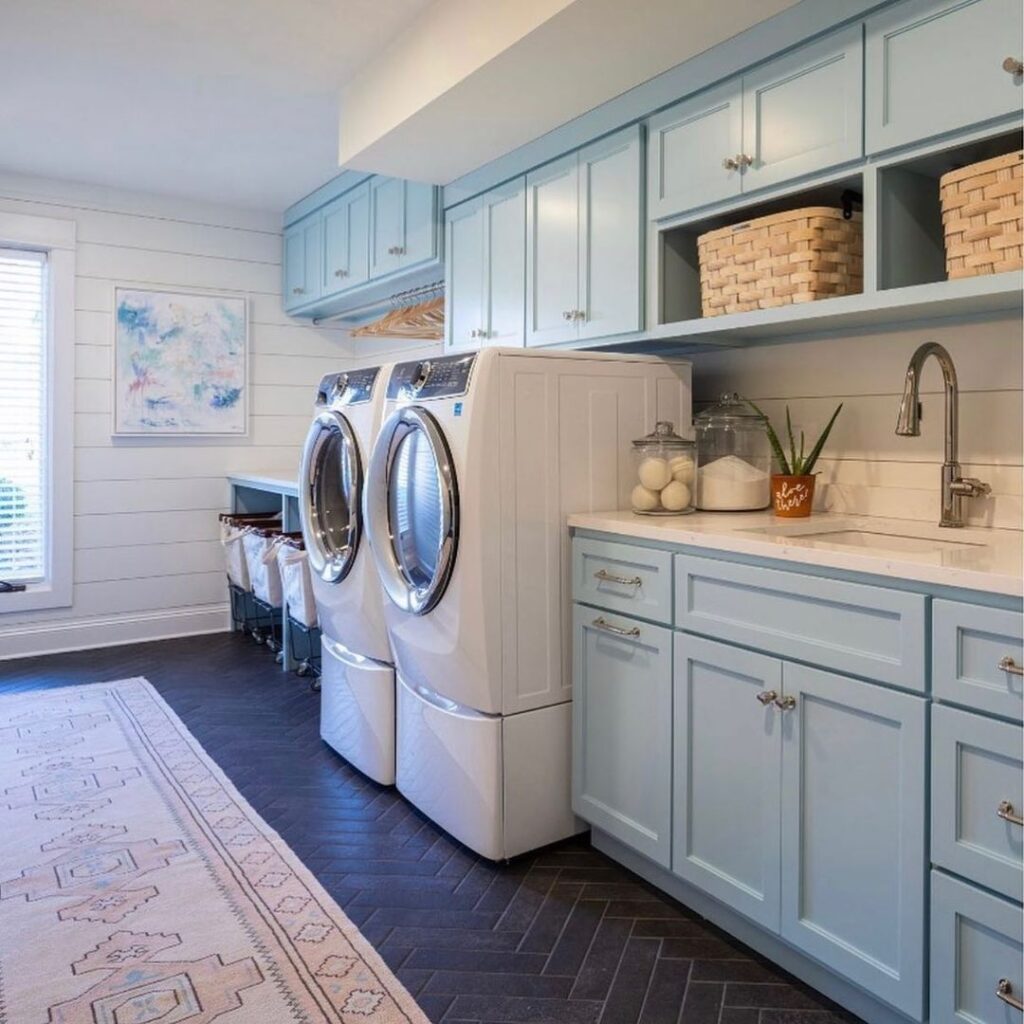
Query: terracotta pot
(792, 496)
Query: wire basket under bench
(797, 256)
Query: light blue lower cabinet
(854, 849)
(622, 729)
(727, 771)
(976, 955)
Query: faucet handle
(970, 487)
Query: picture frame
(180, 363)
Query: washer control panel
(349, 388)
(431, 378)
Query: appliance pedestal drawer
(976, 974)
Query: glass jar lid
(664, 433)
(730, 410)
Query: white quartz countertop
(277, 482)
(972, 558)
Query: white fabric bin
(261, 559)
(232, 538)
(297, 585)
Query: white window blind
(23, 410)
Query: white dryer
(478, 463)
(357, 691)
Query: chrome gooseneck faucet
(955, 488)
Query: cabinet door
(726, 775)
(687, 147)
(505, 266)
(464, 275)
(622, 729)
(418, 242)
(387, 225)
(805, 111)
(611, 230)
(346, 228)
(934, 66)
(302, 246)
(853, 831)
(552, 252)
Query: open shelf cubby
(680, 267)
(911, 244)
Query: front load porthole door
(412, 509)
(330, 496)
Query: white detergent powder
(730, 484)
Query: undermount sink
(867, 540)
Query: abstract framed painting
(180, 363)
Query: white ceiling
(230, 101)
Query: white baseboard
(82, 634)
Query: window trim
(57, 239)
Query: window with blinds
(23, 416)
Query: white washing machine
(478, 463)
(357, 686)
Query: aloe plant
(798, 464)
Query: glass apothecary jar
(734, 458)
(666, 465)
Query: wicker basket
(798, 256)
(982, 208)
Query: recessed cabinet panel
(464, 285)
(804, 112)
(346, 228)
(622, 729)
(688, 145)
(977, 798)
(610, 236)
(420, 217)
(853, 831)
(505, 266)
(934, 66)
(726, 775)
(387, 225)
(552, 254)
(301, 262)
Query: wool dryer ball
(644, 499)
(654, 473)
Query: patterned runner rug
(138, 886)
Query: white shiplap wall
(868, 469)
(147, 558)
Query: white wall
(867, 468)
(147, 559)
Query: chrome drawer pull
(1007, 664)
(1004, 989)
(767, 697)
(608, 577)
(1005, 811)
(617, 630)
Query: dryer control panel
(431, 378)
(347, 388)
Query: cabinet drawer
(976, 950)
(968, 644)
(623, 578)
(934, 66)
(977, 787)
(854, 628)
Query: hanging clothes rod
(409, 297)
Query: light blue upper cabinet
(504, 215)
(420, 223)
(346, 228)
(622, 729)
(584, 242)
(853, 831)
(934, 66)
(804, 112)
(552, 252)
(611, 235)
(301, 271)
(727, 774)
(387, 225)
(692, 149)
(464, 275)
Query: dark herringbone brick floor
(563, 936)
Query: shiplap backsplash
(147, 558)
(867, 469)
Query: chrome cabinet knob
(1006, 811)
(567, 314)
(578, 314)
(1007, 664)
(341, 273)
(742, 160)
(730, 164)
(1004, 990)
(298, 291)
(1012, 66)
(396, 250)
(768, 697)
(785, 703)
